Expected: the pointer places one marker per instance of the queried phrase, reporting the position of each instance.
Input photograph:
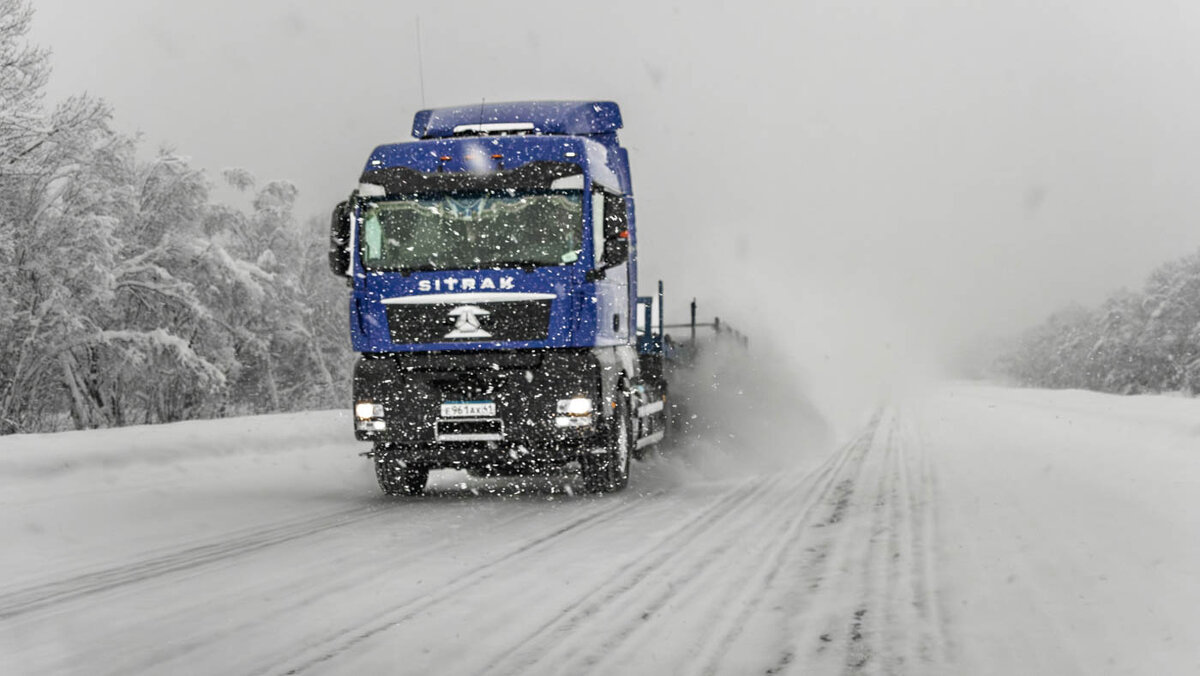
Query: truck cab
(492, 266)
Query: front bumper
(523, 387)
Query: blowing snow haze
(867, 186)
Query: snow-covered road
(969, 529)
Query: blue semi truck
(494, 304)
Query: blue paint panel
(566, 283)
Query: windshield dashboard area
(458, 231)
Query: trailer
(492, 266)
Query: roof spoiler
(570, 118)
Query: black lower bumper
(514, 419)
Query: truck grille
(525, 320)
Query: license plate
(468, 409)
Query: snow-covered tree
(23, 73)
(1147, 341)
(129, 296)
(59, 205)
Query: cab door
(609, 229)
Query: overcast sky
(873, 182)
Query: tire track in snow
(902, 571)
(319, 585)
(878, 609)
(328, 647)
(799, 565)
(614, 615)
(829, 489)
(852, 602)
(937, 645)
(49, 594)
(877, 565)
(541, 645)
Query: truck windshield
(481, 230)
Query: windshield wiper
(527, 266)
(404, 272)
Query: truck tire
(609, 470)
(396, 477)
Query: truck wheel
(397, 478)
(609, 471)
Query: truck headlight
(369, 416)
(575, 406)
(365, 410)
(574, 412)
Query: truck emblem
(466, 322)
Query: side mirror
(339, 239)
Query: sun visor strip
(539, 175)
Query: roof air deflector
(565, 118)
